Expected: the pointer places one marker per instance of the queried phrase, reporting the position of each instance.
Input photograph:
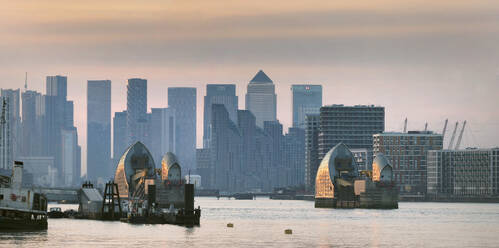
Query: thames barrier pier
(339, 184)
(141, 193)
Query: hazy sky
(424, 60)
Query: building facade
(407, 153)
(261, 99)
(120, 138)
(162, 132)
(183, 100)
(312, 160)
(224, 94)
(463, 173)
(354, 126)
(98, 129)
(14, 142)
(307, 99)
(32, 121)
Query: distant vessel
(21, 208)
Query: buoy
(288, 231)
(230, 225)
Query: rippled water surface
(262, 222)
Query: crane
(453, 136)
(460, 136)
(405, 125)
(426, 126)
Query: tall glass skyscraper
(307, 99)
(183, 101)
(136, 103)
(224, 94)
(98, 129)
(261, 99)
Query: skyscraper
(225, 148)
(98, 129)
(224, 94)
(59, 136)
(31, 123)
(5, 140)
(307, 99)
(136, 108)
(183, 101)
(261, 99)
(120, 137)
(294, 156)
(162, 132)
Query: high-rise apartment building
(136, 109)
(70, 155)
(225, 149)
(294, 156)
(98, 129)
(352, 125)
(311, 150)
(183, 101)
(261, 99)
(224, 94)
(307, 99)
(407, 153)
(467, 173)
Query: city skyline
(470, 139)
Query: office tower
(294, 156)
(352, 125)
(307, 99)
(162, 132)
(407, 153)
(98, 129)
(469, 173)
(261, 99)
(120, 137)
(15, 142)
(225, 148)
(312, 160)
(31, 124)
(183, 101)
(56, 119)
(224, 94)
(69, 157)
(136, 109)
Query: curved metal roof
(169, 160)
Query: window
(1, 197)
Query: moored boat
(21, 208)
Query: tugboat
(21, 208)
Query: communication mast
(405, 125)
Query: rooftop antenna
(26, 82)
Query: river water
(262, 222)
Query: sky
(423, 60)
